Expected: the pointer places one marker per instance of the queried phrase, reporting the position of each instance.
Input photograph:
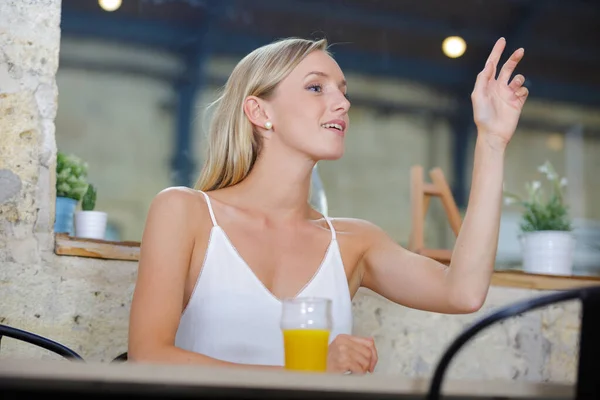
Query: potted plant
(71, 184)
(89, 223)
(546, 230)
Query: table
(41, 378)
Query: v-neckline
(261, 283)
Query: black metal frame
(39, 341)
(120, 358)
(588, 386)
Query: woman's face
(309, 108)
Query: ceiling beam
(155, 34)
(178, 39)
(447, 77)
(366, 16)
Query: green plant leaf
(71, 176)
(88, 202)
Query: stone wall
(84, 303)
(536, 346)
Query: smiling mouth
(334, 126)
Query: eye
(317, 88)
(347, 96)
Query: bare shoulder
(359, 228)
(357, 238)
(177, 196)
(178, 204)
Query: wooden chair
(421, 193)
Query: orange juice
(306, 349)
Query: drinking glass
(306, 324)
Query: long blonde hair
(233, 144)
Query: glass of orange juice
(306, 323)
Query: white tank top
(232, 316)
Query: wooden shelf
(66, 245)
(130, 251)
(520, 279)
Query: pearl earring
(268, 125)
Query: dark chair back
(588, 386)
(120, 358)
(39, 341)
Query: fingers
(368, 350)
(517, 82)
(495, 54)
(374, 359)
(358, 362)
(363, 346)
(489, 71)
(352, 353)
(361, 340)
(510, 65)
(348, 358)
(522, 92)
(516, 85)
(354, 367)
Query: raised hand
(497, 103)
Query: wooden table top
(177, 380)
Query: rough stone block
(10, 185)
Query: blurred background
(135, 77)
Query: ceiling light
(110, 5)
(454, 46)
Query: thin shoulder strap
(333, 235)
(210, 209)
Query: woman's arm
(420, 282)
(165, 255)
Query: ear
(255, 109)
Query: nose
(341, 102)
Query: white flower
(536, 185)
(543, 168)
(509, 200)
(548, 170)
(563, 182)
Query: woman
(216, 261)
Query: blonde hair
(233, 144)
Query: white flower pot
(548, 252)
(90, 224)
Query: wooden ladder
(421, 193)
